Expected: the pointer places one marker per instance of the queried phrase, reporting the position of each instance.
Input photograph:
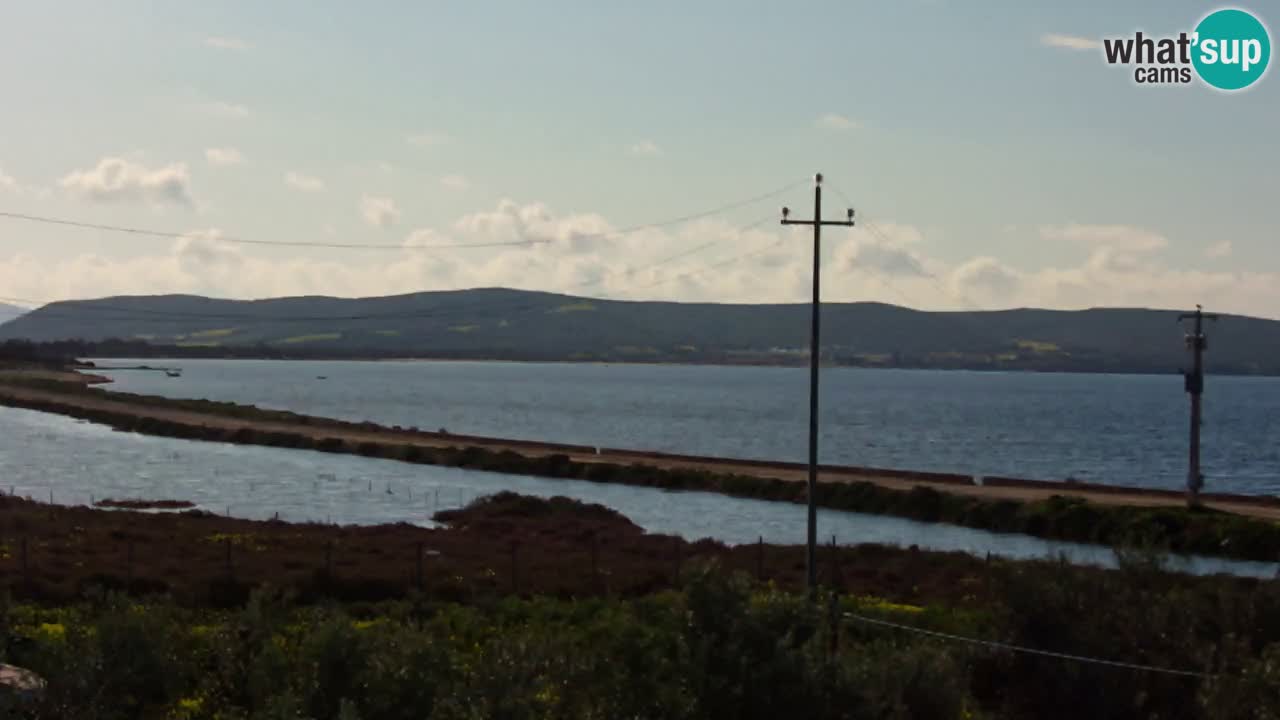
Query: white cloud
(428, 139)
(305, 183)
(1220, 249)
(226, 110)
(536, 223)
(226, 43)
(426, 237)
(834, 121)
(1069, 42)
(11, 185)
(455, 182)
(1124, 237)
(644, 148)
(566, 255)
(875, 255)
(116, 179)
(224, 156)
(379, 211)
(989, 277)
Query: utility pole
(1197, 343)
(811, 556)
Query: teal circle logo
(1232, 49)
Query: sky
(992, 157)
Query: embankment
(1228, 526)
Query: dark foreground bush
(719, 648)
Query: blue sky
(997, 168)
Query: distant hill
(512, 324)
(9, 312)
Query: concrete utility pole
(811, 557)
(1197, 343)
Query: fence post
(834, 613)
(760, 559)
(595, 561)
(515, 568)
(419, 566)
(675, 575)
(835, 566)
(328, 562)
(26, 567)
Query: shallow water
(75, 462)
(1117, 429)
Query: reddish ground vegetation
(500, 545)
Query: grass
(317, 337)
(1037, 346)
(574, 307)
(217, 333)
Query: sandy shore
(995, 489)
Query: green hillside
(501, 323)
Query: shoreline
(709, 363)
(1242, 527)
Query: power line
(1030, 651)
(145, 232)
(417, 314)
(242, 241)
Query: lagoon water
(75, 462)
(1116, 429)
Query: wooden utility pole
(1197, 343)
(811, 555)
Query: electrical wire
(145, 232)
(1030, 651)
(420, 314)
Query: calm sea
(1118, 429)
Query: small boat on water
(173, 373)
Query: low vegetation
(720, 643)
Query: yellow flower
(883, 605)
(187, 708)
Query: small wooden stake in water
(760, 558)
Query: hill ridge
(518, 324)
